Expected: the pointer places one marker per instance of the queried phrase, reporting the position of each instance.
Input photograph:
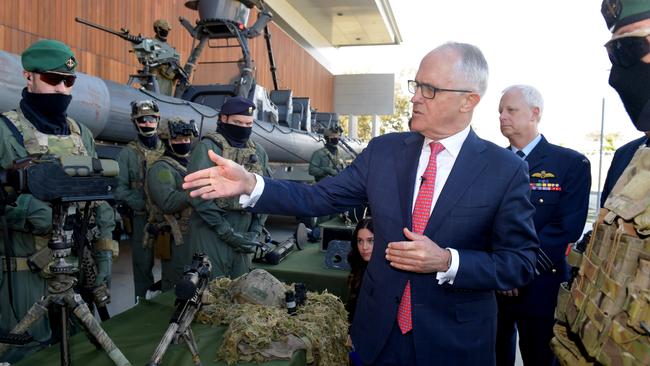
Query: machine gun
(64, 182)
(151, 54)
(189, 299)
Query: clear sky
(554, 45)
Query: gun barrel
(122, 34)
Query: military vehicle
(286, 126)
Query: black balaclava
(237, 136)
(47, 112)
(633, 86)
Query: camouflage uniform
(164, 74)
(170, 209)
(30, 221)
(134, 160)
(603, 317)
(221, 228)
(324, 163)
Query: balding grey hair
(471, 66)
(532, 96)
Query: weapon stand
(61, 294)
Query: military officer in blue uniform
(622, 158)
(560, 182)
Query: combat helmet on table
(604, 317)
(40, 125)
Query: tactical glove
(240, 243)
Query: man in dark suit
(622, 158)
(453, 222)
(560, 181)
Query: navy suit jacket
(622, 158)
(483, 211)
(560, 180)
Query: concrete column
(376, 123)
(352, 126)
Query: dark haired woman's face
(365, 241)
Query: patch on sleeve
(165, 176)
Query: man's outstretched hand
(226, 179)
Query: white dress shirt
(444, 162)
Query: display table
(137, 332)
(308, 266)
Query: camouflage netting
(258, 333)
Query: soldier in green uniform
(221, 228)
(134, 160)
(603, 316)
(40, 125)
(164, 73)
(327, 162)
(170, 204)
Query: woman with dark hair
(360, 251)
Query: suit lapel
(406, 169)
(468, 166)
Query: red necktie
(420, 219)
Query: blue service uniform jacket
(483, 211)
(560, 182)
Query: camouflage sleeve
(105, 220)
(316, 166)
(29, 214)
(129, 171)
(163, 183)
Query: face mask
(162, 33)
(237, 136)
(50, 104)
(633, 86)
(333, 141)
(181, 149)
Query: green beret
(619, 13)
(48, 55)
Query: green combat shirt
(130, 190)
(165, 186)
(324, 164)
(208, 221)
(26, 221)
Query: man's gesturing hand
(417, 254)
(226, 179)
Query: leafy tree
(609, 140)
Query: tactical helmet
(257, 287)
(140, 109)
(161, 28)
(161, 24)
(174, 127)
(331, 132)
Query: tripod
(61, 294)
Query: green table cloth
(308, 266)
(137, 332)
